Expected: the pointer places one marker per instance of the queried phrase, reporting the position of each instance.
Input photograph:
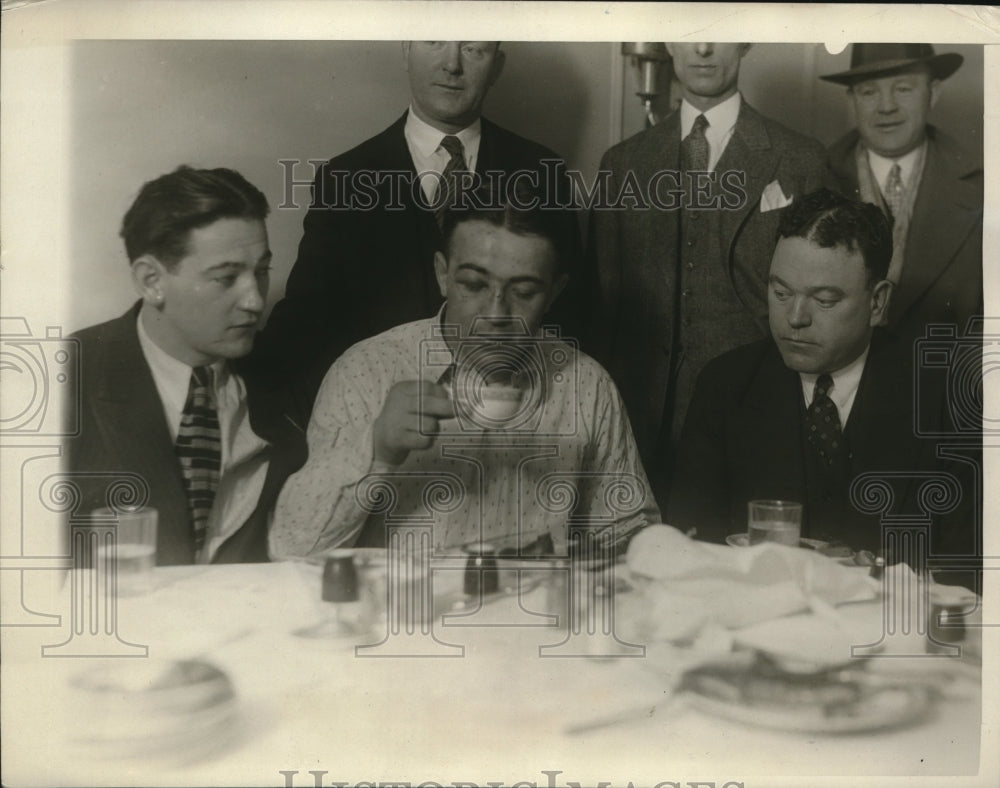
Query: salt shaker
(341, 587)
(482, 575)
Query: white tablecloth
(496, 713)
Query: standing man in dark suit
(800, 415)
(366, 259)
(927, 182)
(161, 397)
(681, 280)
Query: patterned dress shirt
(567, 457)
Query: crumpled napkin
(690, 586)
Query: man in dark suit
(930, 185)
(681, 276)
(161, 398)
(365, 262)
(799, 416)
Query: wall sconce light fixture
(647, 57)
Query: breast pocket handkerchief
(773, 198)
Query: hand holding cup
(409, 420)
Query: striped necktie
(446, 189)
(199, 450)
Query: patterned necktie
(694, 148)
(894, 194)
(199, 450)
(456, 164)
(823, 422)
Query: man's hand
(409, 419)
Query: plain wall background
(142, 107)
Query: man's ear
(881, 294)
(147, 277)
(744, 48)
(935, 89)
(499, 60)
(670, 48)
(441, 272)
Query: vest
(710, 318)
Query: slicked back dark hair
(168, 208)
(520, 213)
(829, 221)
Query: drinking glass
(774, 521)
(132, 551)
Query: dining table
(504, 690)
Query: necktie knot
(694, 147)
(202, 376)
(823, 385)
(453, 145)
(894, 190)
(447, 188)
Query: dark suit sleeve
(699, 491)
(569, 311)
(814, 173)
(311, 326)
(957, 536)
(603, 273)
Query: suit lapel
(395, 153)
(945, 212)
(882, 412)
(488, 157)
(658, 229)
(750, 151)
(843, 167)
(422, 222)
(131, 405)
(772, 425)
(131, 419)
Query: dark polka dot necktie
(199, 450)
(823, 429)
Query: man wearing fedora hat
(929, 184)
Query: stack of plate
(179, 711)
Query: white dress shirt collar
(424, 143)
(845, 386)
(173, 378)
(721, 124)
(907, 164)
(245, 455)
(425, 140)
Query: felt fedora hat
(869, 61)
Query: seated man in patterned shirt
(479, 420)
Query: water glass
(774, 521)
(132, 550)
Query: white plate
(743, 540)
(885, 708)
